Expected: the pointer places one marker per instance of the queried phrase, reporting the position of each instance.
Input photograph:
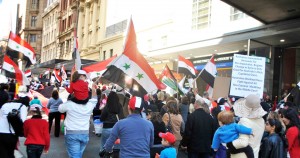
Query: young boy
(228, 132)
(168, 140)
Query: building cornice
(50, 8)
(110, 39)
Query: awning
(268, 11)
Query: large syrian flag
(169, 80)
(63, 73)
(12, 70)
(28, 73)
(185, 66)
(131, 70)
(209, 72)
(97, 69)
(22, 49)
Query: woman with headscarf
(292, 122)
(250, 112)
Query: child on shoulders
(79, 87)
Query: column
(94, 25)
(86, 26)
(102, 19)
(79, 29)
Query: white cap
(81, 72)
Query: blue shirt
(136, 137)
(54, 104)
(35, 101)
(229, 133)
(169, 152)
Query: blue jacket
(169, 152)
(136, 137)
(229, 133)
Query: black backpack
(16, 122)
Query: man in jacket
(199, 131)
(135, 133)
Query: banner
(248, 75)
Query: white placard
(248, 75)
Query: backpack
(16, 122)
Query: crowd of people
(153, 125)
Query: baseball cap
(81, 72)
(135, 102)
(168, 136)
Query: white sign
(248, 75)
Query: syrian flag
(181, 85)
(169, 80)
(131, 70)
(12, 70)
(28, 73)
(56, 75)
(97, 69)
(209, 72)
(76, 55)
(22, 50)
(63, 73)
(186, 67)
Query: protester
(199, 132)
(168, 141)
(36, 133)
(292, 122)
(250, 112)
(159, 127)
(79, 88)
(184, 108)
(8, 139)
(229, 131)
(176, 121)
(135, 133)
(12, 89)
(35, 101)
(22, 96)
(53, 105)
(110, 115)
(273, 146)
(77, 123)
(160, 100)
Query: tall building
(30, 24)
(50, 31)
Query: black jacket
(109, 119)
(158, 127)
(272, 147)
(199, 132)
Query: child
(79, 87)
(228, 132)
(37, 134)
(168, 140)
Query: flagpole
(176, 80)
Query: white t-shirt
(6, 108)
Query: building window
(104, 55)
(236, 14)
(201, 14)
(111, 52)
(34, 4)
(33, 21)
(32, 38)
(164, 40)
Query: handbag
(169, 125)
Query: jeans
(105, 135)
(76, 144)
(34, 151)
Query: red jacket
(36, 131)
(293, 141)
(80, 89)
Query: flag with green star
(169, 80)
(131, 70)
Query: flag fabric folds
(28, 73)
(169, 80)
(209, 72)
(97, 69)
(131, 70)
(76, 55)
(57, 75)
(23, 50)
(186, 67)
(63, 73)
(12, 70)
